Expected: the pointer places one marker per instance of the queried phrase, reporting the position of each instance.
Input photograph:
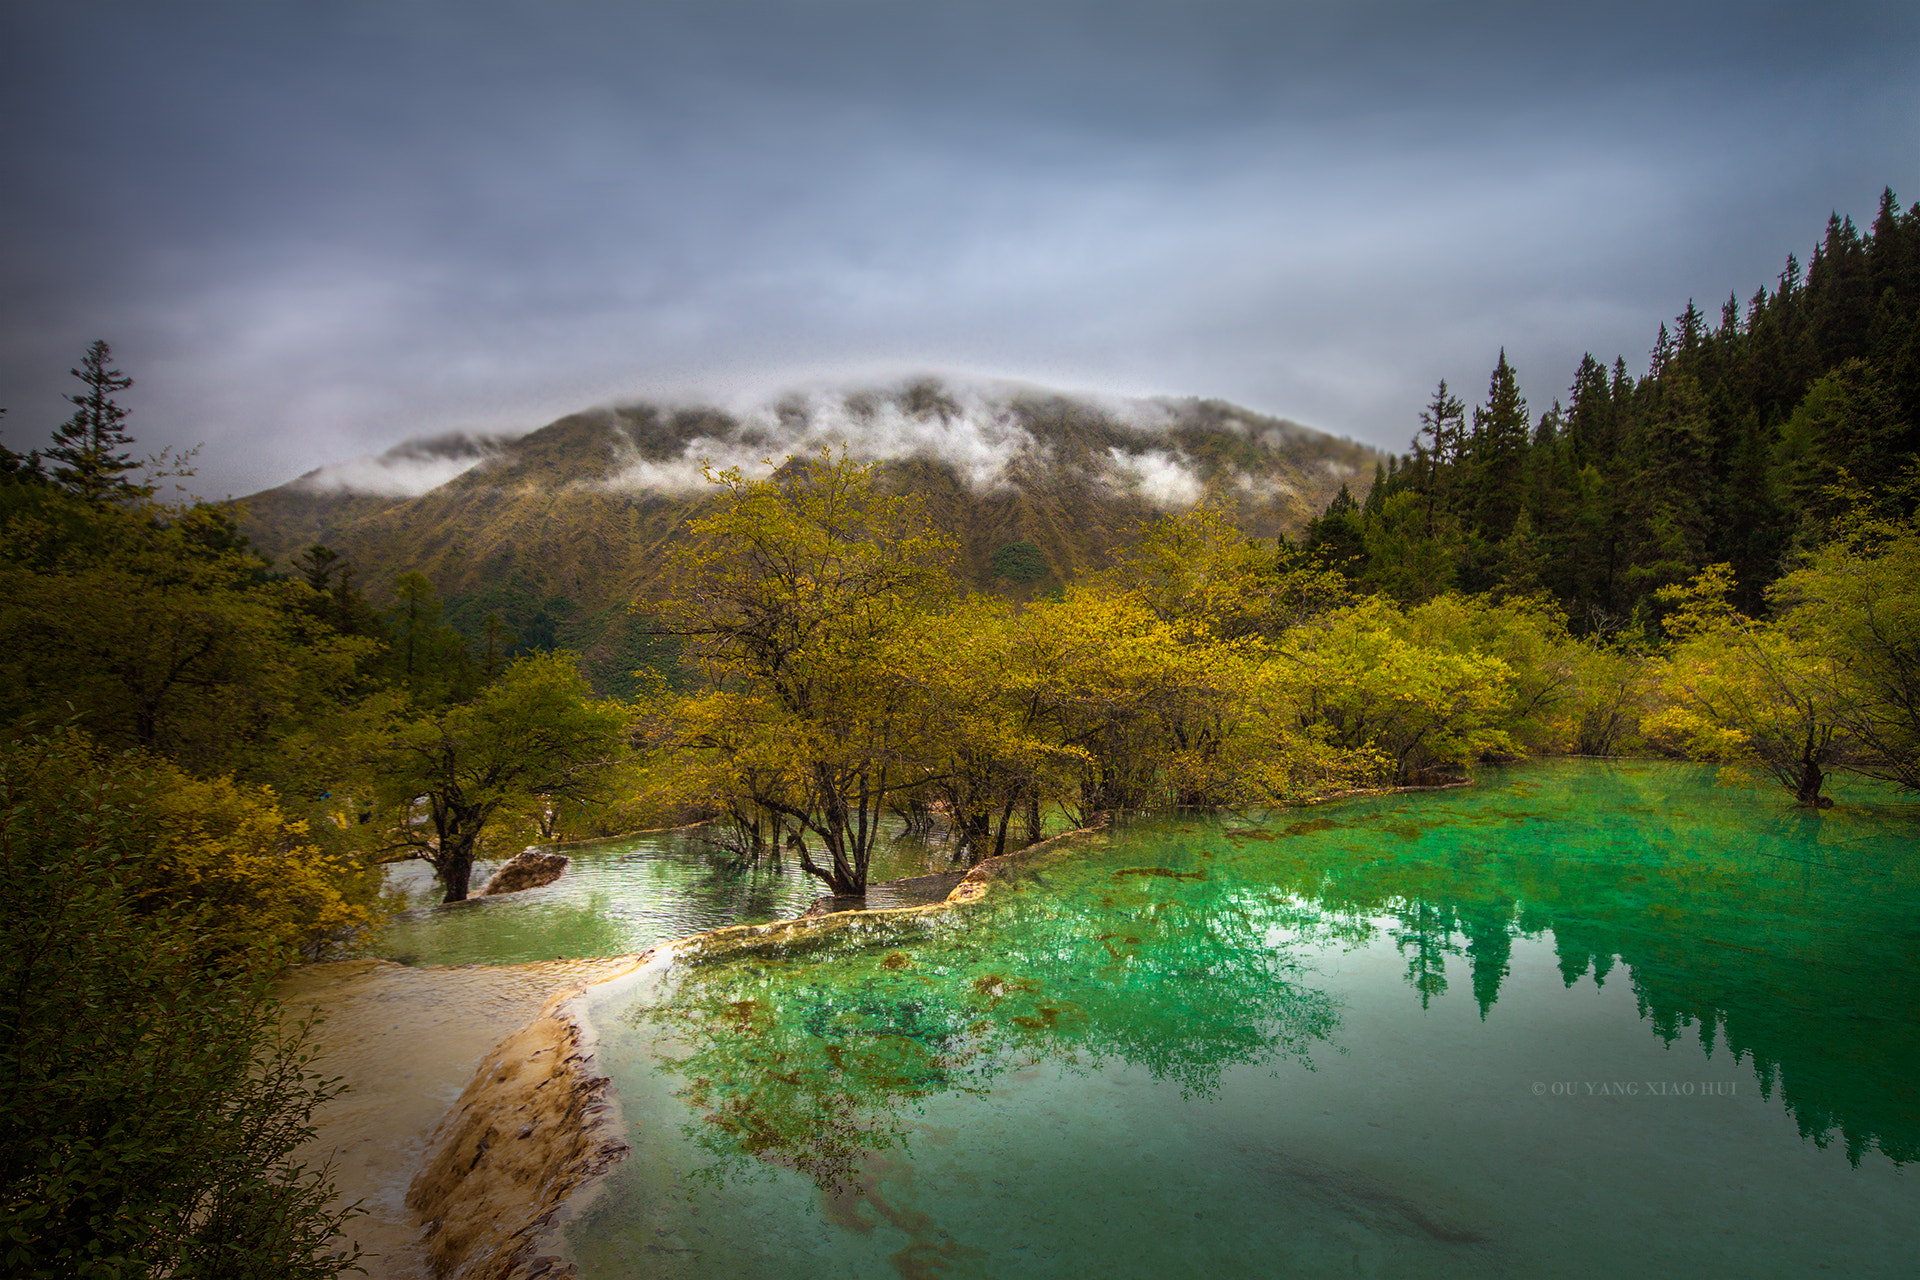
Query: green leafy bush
(149, 1100)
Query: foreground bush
(149, 1102)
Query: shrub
(149, 1102)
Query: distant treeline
(1747, 438)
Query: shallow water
(617, 897)
(1582, 1019)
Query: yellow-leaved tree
(794, 598)
(1367, 680)
(1769, 693)
(1858, 598)
(995, 749)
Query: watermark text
(1636, 1088)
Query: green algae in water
(1584, 1019)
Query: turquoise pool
(1583, 1019)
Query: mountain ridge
(562, 528)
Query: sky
(312, 230)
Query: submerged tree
(1859, 596)
(441, 777)
(1741, 690)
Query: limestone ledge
(509, 1162)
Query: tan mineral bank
(411, 1044)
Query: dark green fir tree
(87, 452)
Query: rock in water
(527, 870)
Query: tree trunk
(455, 875)
(1006, 815)
(455, 866)
(1812, 780)
(842, 880)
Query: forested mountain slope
(560, 529)
(1748, 436)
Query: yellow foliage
(225, 850)
(842, 665)
(1736, 689)
(1544, 665)
(1369, 680)
(1198, 572)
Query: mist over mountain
(407, 470)
(559, 530)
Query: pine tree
(1377, 491)
(1671, 522)
(1500, 431)
(1692, 326)
(1729, 318)
(1663, 350)
(1437, 451)
(85, 447)
(1337, 538)
(317, 564)
(1590, 427)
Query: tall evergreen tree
(86, 450)
(1590, 425)
(1438, 450)
(1337, 538)
(1377, 491)
(1499, 454)
(1671, 522)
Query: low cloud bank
(989, 433)
(409, 469)
(993, 435)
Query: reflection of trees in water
(1785, 937)
(806, 1062)
(729, 889)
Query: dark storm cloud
(311, 230)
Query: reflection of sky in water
(616, 897)
(1585, 1019)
